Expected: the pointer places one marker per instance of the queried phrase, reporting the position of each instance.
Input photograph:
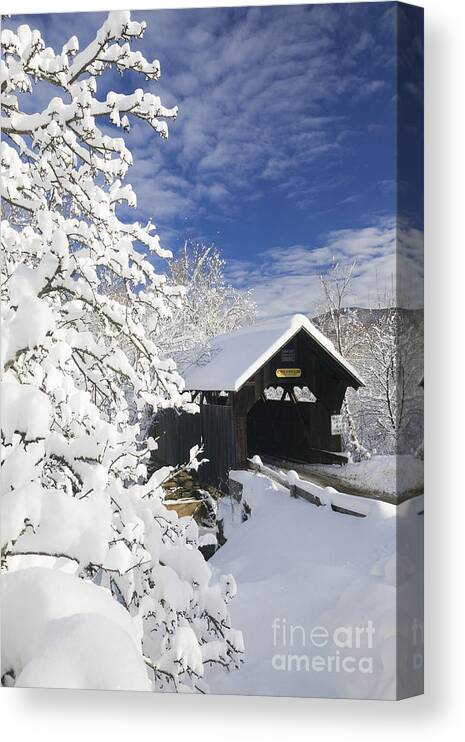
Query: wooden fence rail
(296, 491)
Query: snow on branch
(79, 370)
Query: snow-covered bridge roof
(237, 356)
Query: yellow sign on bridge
(288, 373)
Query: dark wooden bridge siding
(178, 432)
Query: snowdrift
(319, 594)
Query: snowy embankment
(394, 476)
(326, 494)
(388, 478)
(317, 594)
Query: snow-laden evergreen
(105, 586)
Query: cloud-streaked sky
(283, 153)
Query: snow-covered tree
(384, 344)
(389, 356)
(210, 307)
(338, 324)
(103, 586)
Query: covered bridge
(271, 389)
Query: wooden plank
(346, 511)
(296, 491)
(184, 507)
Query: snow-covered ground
(317, 597)
(59, 631)
(388, 475)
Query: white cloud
(258, 89)
(287, 279)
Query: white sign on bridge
(336, 424)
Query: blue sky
(283, 153)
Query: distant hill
(369, 317)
